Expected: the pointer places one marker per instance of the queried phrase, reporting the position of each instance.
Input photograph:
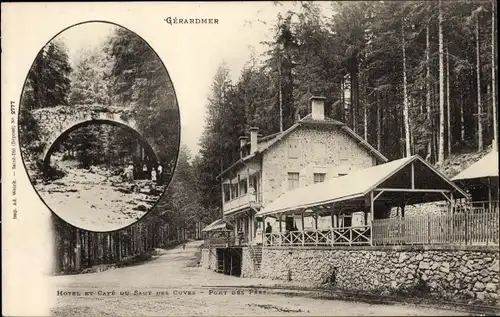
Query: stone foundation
(467, 273)
(248, 268)
(209, 259)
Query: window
(293, 151)
(243, 187)
(234, 191)
(293, 180)
(319, 177)
(227, 196)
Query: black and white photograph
(99, 126)
(316, 158)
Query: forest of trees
(123, 72)
(420, 78)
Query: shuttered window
(293, 180)
(319, 177)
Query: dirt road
(172, 284)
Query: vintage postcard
(304, 158)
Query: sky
(250, 24)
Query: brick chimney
(243, 142)
(253, 139)
(318, 107)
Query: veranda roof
(217, 225)
(358, 184)
(485, 167)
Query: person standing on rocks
(130, 172)
(145, 171)
(153, 175)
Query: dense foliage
(383, 70)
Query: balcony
(228, 241)
(241, 202)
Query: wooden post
(264, 230)
(231, 261)
(412, 176)
(252, 226)
(302, 235)
(223, 195)
(248, 181)
(372, 209)
(249, 228)
(489, 192)
(279, 219)
(236, 225)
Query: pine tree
(441, 87)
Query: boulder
(481, 296)
(478, 286)
(445, 267)
(424, 266)
(491, 287)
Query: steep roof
(485, 167)
(266, 142)
(351, 186)
(217, 225)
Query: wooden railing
(241, 201)
(335, 236)
(230, 241)
(474, 227)
(217, 241)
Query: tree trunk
(441, 87)
(280, 92)
(342, 99)
(479, 105)
(365, 112)
(494, 75)
(379, 134)
(448, 106)
(78, 250)
(462, 120)
(354, 100)
(406, 116)
(428, 91)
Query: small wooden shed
(481, 181)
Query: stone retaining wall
(209, 258)
(248, 268)
(444, 273)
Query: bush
(136, 259)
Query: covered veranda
(371, 192)
(218, 233)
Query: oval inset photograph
(99, 126)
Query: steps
(256, 254)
